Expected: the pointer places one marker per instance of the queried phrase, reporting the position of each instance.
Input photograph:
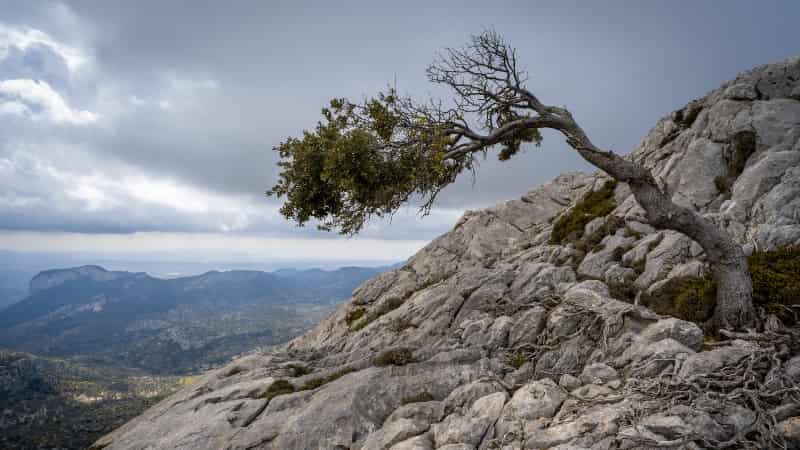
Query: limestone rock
(492, 313)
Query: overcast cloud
(152, 117)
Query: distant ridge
(170, 325)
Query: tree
(367, 159)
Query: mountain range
(173, 326)
(89, 348)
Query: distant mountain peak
(49, 279)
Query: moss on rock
(278, 387)
(776, 288)
(398, 357)
(570, 225)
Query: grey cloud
(257, 72)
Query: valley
(90, 348)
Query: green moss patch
(570, 225)
(398, 357)
(776, 281)
(518, 359)
(321, 381)
(278, 387)
(687, 298)
(622, 291)
(776, 288)
(353, 315)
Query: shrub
(400, 324)
(622, 291)
(354, 315)
(398, 357)
(776, 281)
(419, 398)
(517, 360)
(317, 382)
(278, 387)
(686, 298)
(776, 287)
(570, 225)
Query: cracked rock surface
(506, 345)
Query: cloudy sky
(147, 127)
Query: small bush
(776, 281)
(400, 324)
(517, 360)
(776, 287)
(570, 225)
(321, 381)
(622, 291)
(419, 398)
(399, 357)
(278, 387)
(354, 315)
(639, 266)
(687, 298)
(632, 233)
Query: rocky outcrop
(493, 338)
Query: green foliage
(278, 387)
(687, 298)
(354, 315)
(398, 357)
(518, 359)
(570, 225)
(511, 144)
(622, 291)
(776, 287)
(360, 162)
(400, 324)
(321, 381)
(776, 281)
(424, 396)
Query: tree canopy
(368, 158)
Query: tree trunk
(734, 308)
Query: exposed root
(757, 383)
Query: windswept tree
(368, 158)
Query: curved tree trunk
(728, 262)
(486, 80)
